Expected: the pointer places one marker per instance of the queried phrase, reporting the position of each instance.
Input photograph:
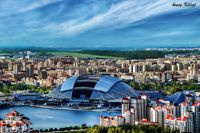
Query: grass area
(74, 54)
(4, 53)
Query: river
(43, 118)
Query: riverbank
(91, 109)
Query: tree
(51, 130)
(55, 129)
(83, 126)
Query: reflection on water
(42, 118)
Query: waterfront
(42, 118)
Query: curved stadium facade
(102, 87)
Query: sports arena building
(93, 87)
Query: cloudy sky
(99, 23)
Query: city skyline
(92, 23)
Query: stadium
(93, 87)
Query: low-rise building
(15, 123)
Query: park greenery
(84, 55)
(8, 89)
(119, 129)
(139, 54)
(168, 88)
(43, 54)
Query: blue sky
(99, 23)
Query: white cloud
(119, 15)
(37, 4)
(122, 13)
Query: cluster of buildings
(15, 123)
(179, 111)
(172, 67)
(52, 71)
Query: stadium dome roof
(176, 98)
(103, 87)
